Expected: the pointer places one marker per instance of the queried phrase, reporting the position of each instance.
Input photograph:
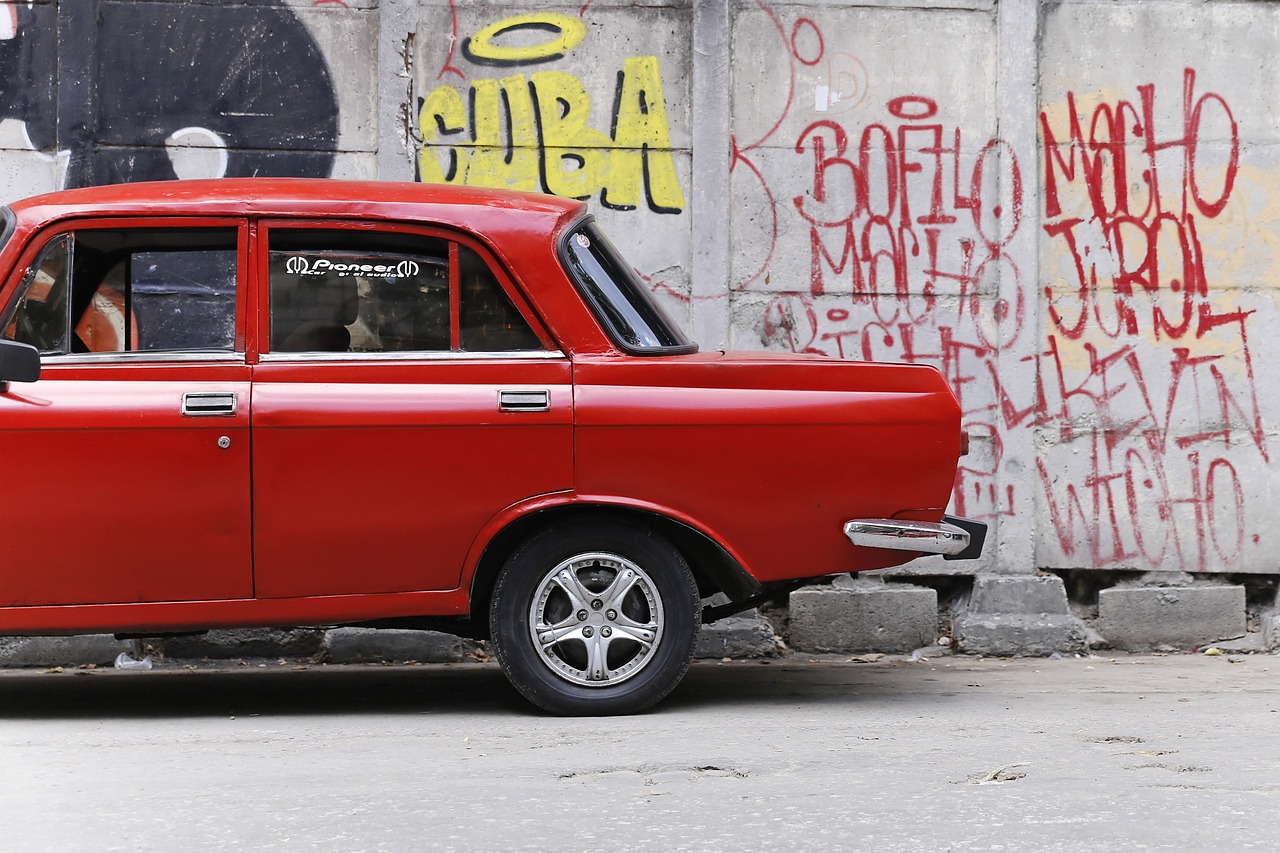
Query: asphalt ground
(1176, 752)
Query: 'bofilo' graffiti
(108, 82)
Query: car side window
(129, 290)
(387, 292)
(489, 321)
(39, 316)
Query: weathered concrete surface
(1136, 753)
(1179, 616)
(1018, 615)
(744, 635)
(369, 645)
(245, 643)
(1270, 630)
(862, 616)
(90, 649)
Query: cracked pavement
(1138, 752)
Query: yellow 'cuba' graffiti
(532, 133)
(570, 31)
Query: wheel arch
(714, 568)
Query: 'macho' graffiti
(109, 84)
(532, 132)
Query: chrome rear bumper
(954, 537)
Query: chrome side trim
(420, 355)
(145, 356)
(928, 537)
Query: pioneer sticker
(300, 265)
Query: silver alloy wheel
(596, 619)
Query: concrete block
(374, 645)
(744, 635)
(1027, 634)
(1250, 644)
(863, 617)
(1271, 630)
(1019, 616)
(245, 643)
(99, 649)
(1035, 594)
(1136, 618)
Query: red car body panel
(91, 462)
(333, 491)
(348, 488)
(757, 448)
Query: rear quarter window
(617, 295)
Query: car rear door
(404, 396)
(126, 465)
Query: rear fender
(716, 567)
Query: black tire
(572, 610)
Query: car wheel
(595, 618)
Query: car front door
(404, 396)
(126, 465)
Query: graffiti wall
(865, 197)
(1158, 290)
(588, 101)
(874, 184)
(112, 91)
(1075, 220)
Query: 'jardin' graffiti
(534, 131)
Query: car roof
(319, 197)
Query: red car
(302, 402)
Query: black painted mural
(110, 80)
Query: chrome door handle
(215, 404)
(524, 401)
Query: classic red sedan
(302, 402)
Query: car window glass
(347, 291)
(172, 289)
(386, 292)
(40, 315)
(490, 322)
(618, 296)
(125, 290)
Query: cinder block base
(245, 643)
(1009, 634)
(370, 645)
(867, 616)
(1271, 631)
(1137, 618)
(96, 649)
(1019, 616)
(745, 635)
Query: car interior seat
(313, 316)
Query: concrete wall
(1068, 207)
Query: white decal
(298, 265)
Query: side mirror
(18, 362)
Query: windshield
(618, 296)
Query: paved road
(1136, 753)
